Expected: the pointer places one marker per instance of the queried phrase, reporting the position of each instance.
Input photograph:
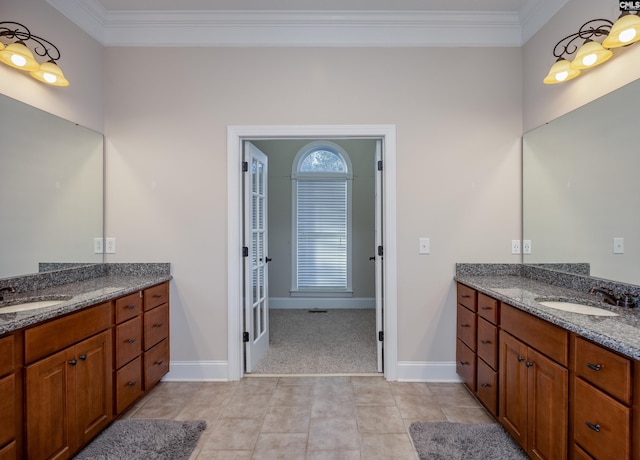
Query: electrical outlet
(526, 246)
(424, 245)
(515, 246)
(98, 245)
(110, 246)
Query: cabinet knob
(131, 340)
(73, 362)
(83, 357)
(528, 364)
(132, 384)
(520, 359)
(595, 427)
(594, 367)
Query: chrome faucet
(627, 299)
(10, 289)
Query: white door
(379, 259)
(256, 272)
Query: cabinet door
(513, 387)
(93, 386)
(548, 402)
(48, 401)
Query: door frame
(235, 137)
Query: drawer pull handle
(158, 325)
(528, 364)
(485, 342)
(595, 427)
(594, 367)
(485, 385)
(520, 359)
(83, 357)
(485, 308)
(159, 363)
(131, 340)
(463, 363)
(132, 384)
(465, 325)
(465, 296)
(130, 307)
(73, 362)
(157, 296)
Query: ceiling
(382, 23)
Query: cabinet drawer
(128, 341)
(603, 368)
(539, 334)
(467, 297)
(9, 452)
(8, 409)
(7, 354)
(128, 384)
(156, 295)
(487, 348)
(156, 325)
(488, 387)
(488, 308)
(156, 364)
(466, 327)
(128, 307)
(466, 364)
(610, 432)
(50, 337)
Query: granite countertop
(620, 333)
(83, 294)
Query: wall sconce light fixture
(624, 32)
(19, 56)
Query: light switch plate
(618, 245)
(424, 246)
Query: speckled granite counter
(620, 333)
(107, 282)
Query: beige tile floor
(315, 418)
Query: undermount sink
(18, 305)
(577, 308)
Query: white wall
(543, 103)
(81, 61)
(458, 159)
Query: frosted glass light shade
(50, 73)
(625, 31)
(590, 55)
(560, 71)
(17, 55)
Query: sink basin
(35, 303)
(577, 308)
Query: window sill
(321, 293)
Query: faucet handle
(629, 299)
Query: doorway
(236, 137)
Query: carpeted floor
(460, 441)
(335, 342)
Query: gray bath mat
(134, 439)
(460, 441)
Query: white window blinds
(322, 233)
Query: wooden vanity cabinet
(127, 351)
(11, 396)
(68, 385)
(466, 335)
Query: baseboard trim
(427, 371)
(198, 371)
(299, 303)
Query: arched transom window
(321, 181)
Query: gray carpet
(133, 439)
(340, 341)
(459, 441)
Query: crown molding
(534, 15)
(302, 28)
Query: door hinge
(379, 165)
(245, 166)
(380, 336)
(380, 251)
(245, 251)
(245, 337)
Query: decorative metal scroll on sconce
(593, 28)
(19, 56)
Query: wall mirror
(51, 190)
(581, 187)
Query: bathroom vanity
(68, 370)
(563, 384)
